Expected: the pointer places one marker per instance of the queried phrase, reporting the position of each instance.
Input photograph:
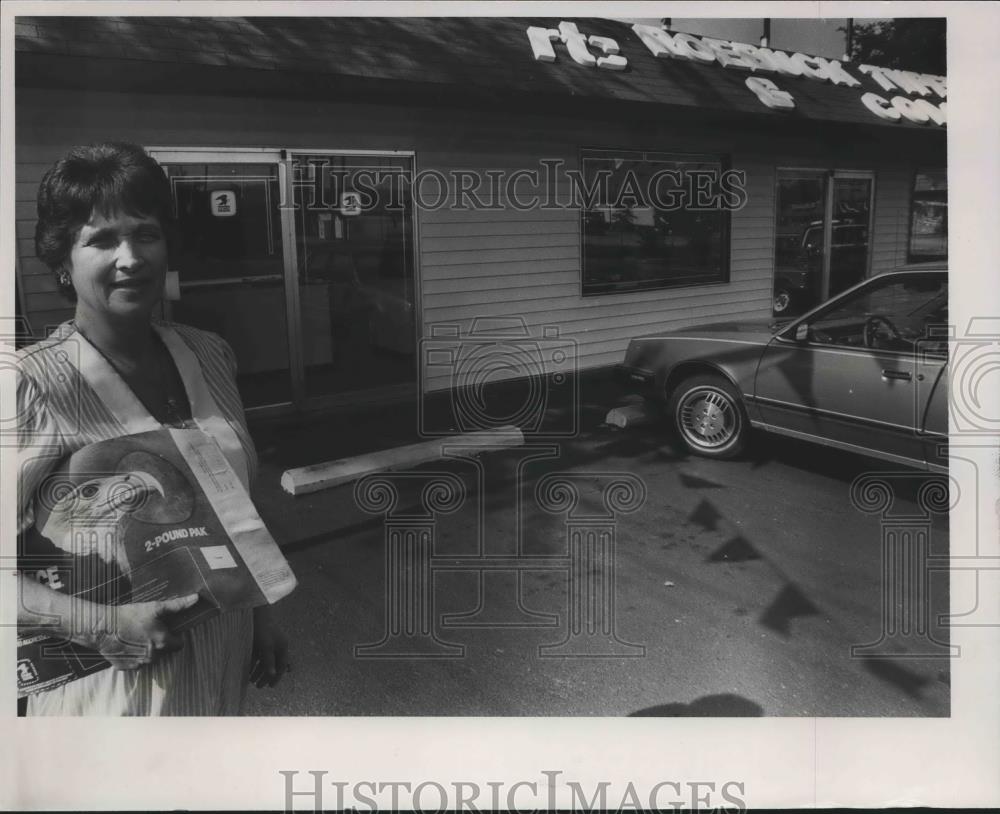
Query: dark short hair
(107, 178)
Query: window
(893, 314)
(929, 217)
(653, 220)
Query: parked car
(796, 286)
(865, 372)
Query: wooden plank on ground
(306, 479)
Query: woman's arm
(126, 635)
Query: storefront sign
(919, 111)
(742, 56)
(541, 40)
(769, 93)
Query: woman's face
(117, 266)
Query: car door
(859, 377)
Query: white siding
(497, 264)
(526, 266)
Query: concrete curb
(631, 415)
(306, 479)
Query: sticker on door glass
(350, 203)
(223, 203)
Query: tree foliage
(913, 44)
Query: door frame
(868, 175)
(283, 158)
(251, 155)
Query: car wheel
(709, 416)
(782, 301)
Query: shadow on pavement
(725, 705)
(890, 671)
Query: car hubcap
(708, 418)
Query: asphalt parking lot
(739, 588)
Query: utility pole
(765, 39)
(849, 47)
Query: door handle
(902, 375)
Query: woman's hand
(126, 635)
(270, 650)
(140, 631)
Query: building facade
(357, 197)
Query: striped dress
(69, 396)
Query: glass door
(822, 229)
(230, 259)
(354, 268)
(798, 241)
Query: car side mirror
(802, 332)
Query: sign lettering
(576, 43)
(742, 56)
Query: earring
(64, 278)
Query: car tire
(782, 301)
(708, 416)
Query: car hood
(742, 330)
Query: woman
(103, 215)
